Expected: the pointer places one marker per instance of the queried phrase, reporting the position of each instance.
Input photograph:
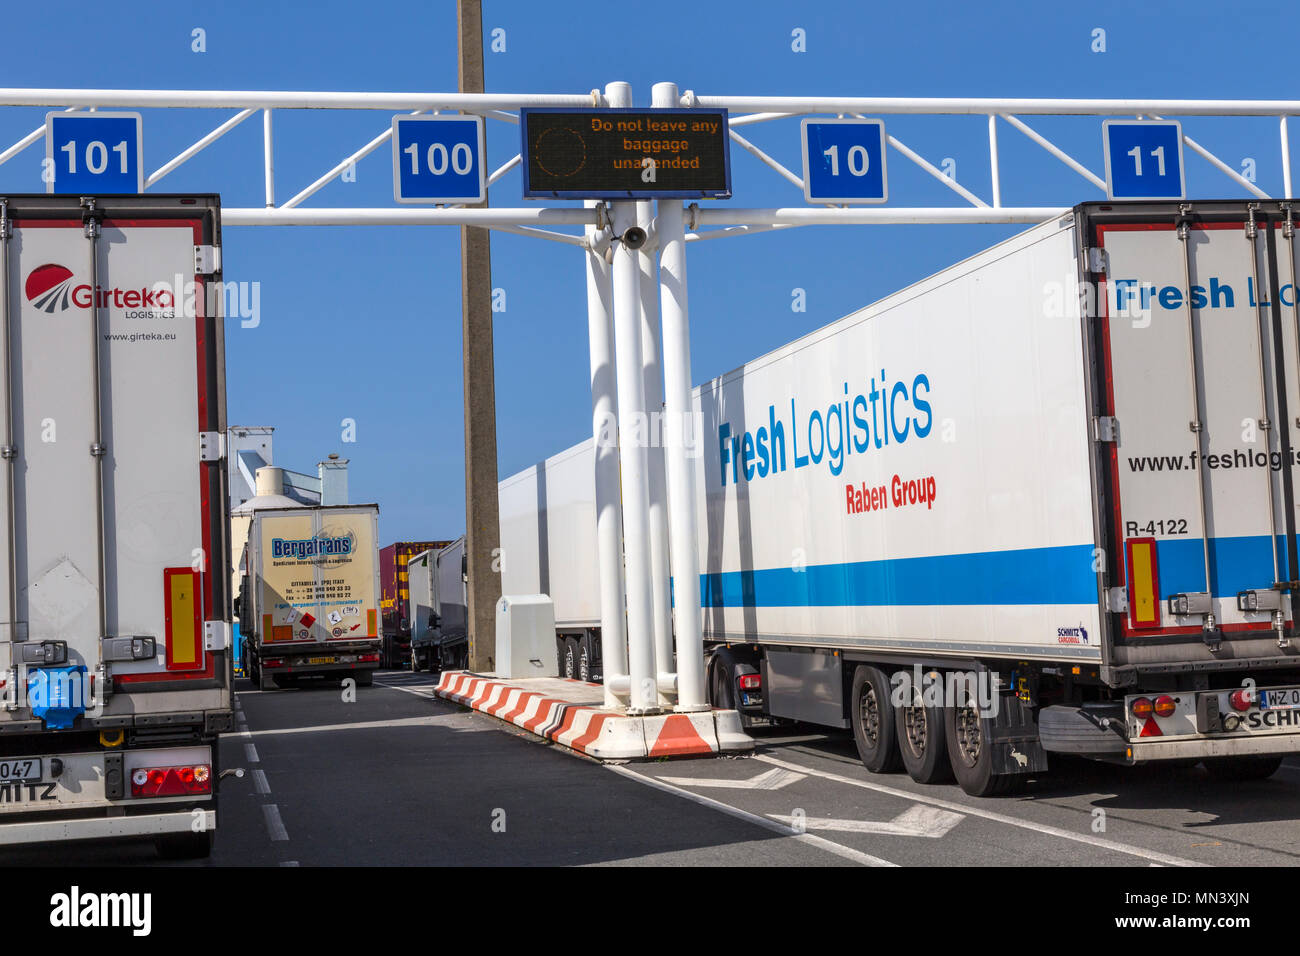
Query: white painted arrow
(773, 779)
(917, 821)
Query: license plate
(1282, 698)
(20, 770)
(322, 660)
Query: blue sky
(364, 323)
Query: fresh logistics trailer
(115, 667)
(309, 595)
(1042, 502)
(395, 611)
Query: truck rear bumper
(99, 828)
(1206, 747)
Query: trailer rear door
(1198, 382)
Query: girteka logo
(50, 289)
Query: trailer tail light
(171, 781)
(273, 662)
(1143, 583)
(751, 681)
(1164, 706)
(181, 611)
(1240, 699)
(367, 658)
(1142, 708)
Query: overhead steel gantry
(644, 495)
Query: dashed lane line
(250, 753)
(274, 825)
(260, 783)
(847, 853)
(1047, 830)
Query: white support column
(681, 443)
(1286, 160)
(993, 160)
(632, 453)
(652, 369)
(268, 158)
(609, 518)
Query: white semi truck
(115, 618)
(1042, 502)
(309, 592)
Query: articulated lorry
(115, 674)
(309, 592)
(1043, 502)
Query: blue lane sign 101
(439, 159)
(1144, 159)
(93, 153)
(844, 161)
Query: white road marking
(274, 825)
(917, 821)
(260, 782)
(409, 690)
(289, 863)
(773, 779)
(848, 853)
(239, 716)
(1099, 842)
(250, 753)
(433, 720)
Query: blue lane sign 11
(844, 161)
(439, 159)
(93, 153)
(1144, 159)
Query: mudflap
(1016, 747)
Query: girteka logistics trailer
(309, 593)
(114, 601)
(1041, 502)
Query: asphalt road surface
(396, 777)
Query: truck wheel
(922, 743)
(872, 716)
(184, 846)
(1243, 768)
(970, 751)
(722, 681)
(263, 680)
(569, 666)
(364, 678)
(584, 661)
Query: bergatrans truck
(309, 592)
(1043, 502)
(114, 605)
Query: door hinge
(1117, 600)
(1098, 261)
(212, 446)
(1105, 428)
(207, 260)
(217, 636)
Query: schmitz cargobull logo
(51, 288)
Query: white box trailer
(422, 586)
(114, 598)
(1043, 501)
(450, 640)
(309, 595)
(548, 546)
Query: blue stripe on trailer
(1062, 575)
(1237, 563)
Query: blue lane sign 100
(439, 159)
(1144, 159)
(844, 161)
(93, 153)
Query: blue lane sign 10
(93, 153)
(439, 159)
(844, 161)
(1144, 159)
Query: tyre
(263, 681)
(970, 751)
(364, 678)
(872, 716)
(569, 666)
(922, 741)
(184, 846)
(584, 660)
(1243, 768)
(722, 681)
